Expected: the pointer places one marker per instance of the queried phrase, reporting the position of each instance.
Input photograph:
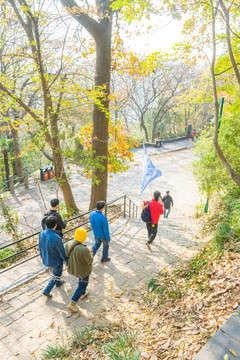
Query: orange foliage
(119, 146)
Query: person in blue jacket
(52, 253)
(100, 229)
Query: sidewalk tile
(5, 319)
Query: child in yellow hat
(79, 264)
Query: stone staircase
(25, 313)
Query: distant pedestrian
(193, 134)
(79, 264)
(156, 209)
(167, 203)
(61, 224)
(100, 229)
(52, 253)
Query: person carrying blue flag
(156, 209)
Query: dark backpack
(146, 214)
(45, 216)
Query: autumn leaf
(233, 352)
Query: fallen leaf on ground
(233, 352)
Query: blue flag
(149, 172)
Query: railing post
(130, 204)
(105, 209)
(26, 180)
(11, 184)
(124, 206)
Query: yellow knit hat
(80, 235)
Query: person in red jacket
(156, 209)
(193, 134)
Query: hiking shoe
(72, 308)
(47, 295)
(148, 245)
(61, 283)
(83, 296)
(105, 260)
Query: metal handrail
(74, 218)
(128, 209)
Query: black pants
(152, 232)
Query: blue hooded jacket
(99, 225)
(51, 248)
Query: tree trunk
(30, 23)
(60, 174)
(6, 165)
(153, 130)
(228, 39)
(102, 33)
(221, 156)
(143, 126)
(47, 155)
(101, 117)
(18, 159)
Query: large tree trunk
(60, 174)
(100, 117)
(19, 169)
(234, 176)
(101, 32)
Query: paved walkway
(29, 205)
(28, 321)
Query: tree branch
(92, 26)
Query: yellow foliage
(119, 146)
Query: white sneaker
(72, 308)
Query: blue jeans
(166, 212)
(82, 285)
(57, 272)
(97, 245)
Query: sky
(162, 37)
